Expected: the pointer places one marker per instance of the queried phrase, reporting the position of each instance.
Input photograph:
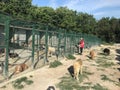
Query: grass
(105, 78)
(55, 64)
(107, 64)
(98, 87)
(88, 83)
(70, 57)
(69, 83)
(105, 61)
(101, 69)
(19, 83)
(3, 87)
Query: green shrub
(71, 57)
(18, 84)
(55, 64)
(28, 82)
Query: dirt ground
(44, 77)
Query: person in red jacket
(81, 45)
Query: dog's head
(51, 88)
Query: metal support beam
(33, 45)
(46, 45)
(5, 71)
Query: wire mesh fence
(35, 44)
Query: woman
(81, 45)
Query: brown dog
(77, 66)
(92, 54)
(20, 68)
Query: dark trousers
(80, 50)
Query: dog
(106, 51)
(51, 88)
(51, 50)
(13, 55)
(20, 68)
(77, 67)
(92, 54)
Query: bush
(18, 84)
(55, 64)
(71, 57)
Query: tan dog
(92, 54)
(77, 66)
(51, 50)
(20, 68)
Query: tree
(104, 30)
(85, 23)
(17, 8)
(65, 18)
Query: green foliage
(105, 78)
(105, 43)
(55, 64)
(19, 83)
(70, 57)
(28, 82)
(108, 29)
(82, 77)
(69, 83)
(105, 61)
(105, 64)
(99, 87)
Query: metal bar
(65, 42)
(59, 39)
(33, 45)
(5, 71)
(46, 45)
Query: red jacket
(82, 44)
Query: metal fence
(31, 40)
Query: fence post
(46, 45)
(70, 43)
(5, 71)
(33, 44)
(59, 42)
(65, 42)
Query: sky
(97, 8)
